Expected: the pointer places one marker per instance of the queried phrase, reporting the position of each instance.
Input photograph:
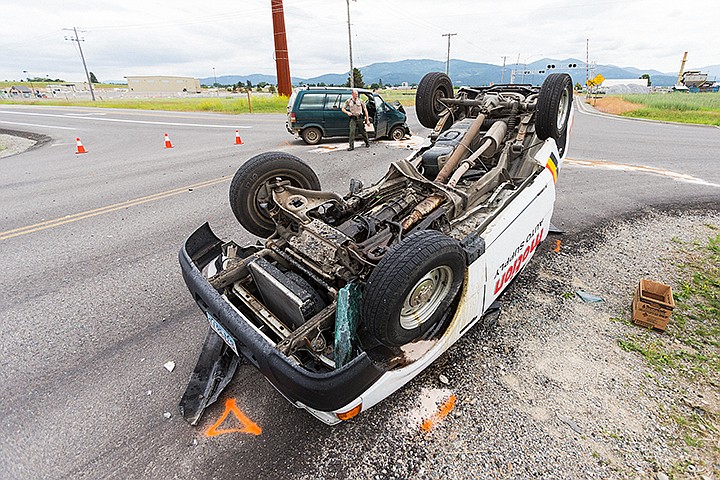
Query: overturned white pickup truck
(350, 297)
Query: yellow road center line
(106, 209)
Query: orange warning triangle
(246, 425)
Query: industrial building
(163, 84)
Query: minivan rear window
(312, 101)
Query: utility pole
(282, 61)
(78, 40)
(447, 64)
(32, 87)
(502, 78)
(514, 72)
(352, 72)
(587, 62)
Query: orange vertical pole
(282, 62)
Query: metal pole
(282, 61)
(352, 72)
(82, 56)
(32, 87)
(77, 39)
(502, 77)
(217, 92)
(447, 64)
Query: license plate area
(224, 334)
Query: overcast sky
(131, 37)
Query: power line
(77, 39)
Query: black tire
(553, 106)
(311, 135)
(433, 87)
(248, 190)
(395, 305)
(396, 133)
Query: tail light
(292, 117)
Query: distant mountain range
(469, 73)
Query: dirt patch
(615, 105)
(14, 141)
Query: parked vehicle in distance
(315, 112)
(351, 296)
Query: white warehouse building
(163, 84)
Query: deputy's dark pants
(357, 123)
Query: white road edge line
(36, 125)
(120, 120)
(680, 177)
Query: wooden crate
(652, 305)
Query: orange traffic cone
(80, 148)
(168, 144)
(238, 140)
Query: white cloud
(190, 38)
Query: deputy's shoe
(367, 144)
(350, 148)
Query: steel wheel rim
(311, 135)
(263, 193)
(437, 101)
(425, 297)
(562, 109)
(397, 134)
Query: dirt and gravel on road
(13, 142)
(559, 388)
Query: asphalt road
(93, 303)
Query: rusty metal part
(461, 151)
(490, 142)
(296, 202)
(524, 125)
(305, 334)
(235, 270)
(423, 208)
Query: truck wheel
(397, 133)
(553, 106)
(250, 193)
(412, 287)
(311, 135)
(433, 87)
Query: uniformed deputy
(357, 111)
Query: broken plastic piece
(588, 297)
(169, 366)
(346, 319)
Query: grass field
(39, 85)
(703, 108)
(273, 104)
(260, 104)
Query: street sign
(596, 81)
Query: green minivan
(315, 112)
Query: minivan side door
(336, 122)
(310, 110)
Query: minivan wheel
(251, 194)
(396, 133)
(311, 135)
